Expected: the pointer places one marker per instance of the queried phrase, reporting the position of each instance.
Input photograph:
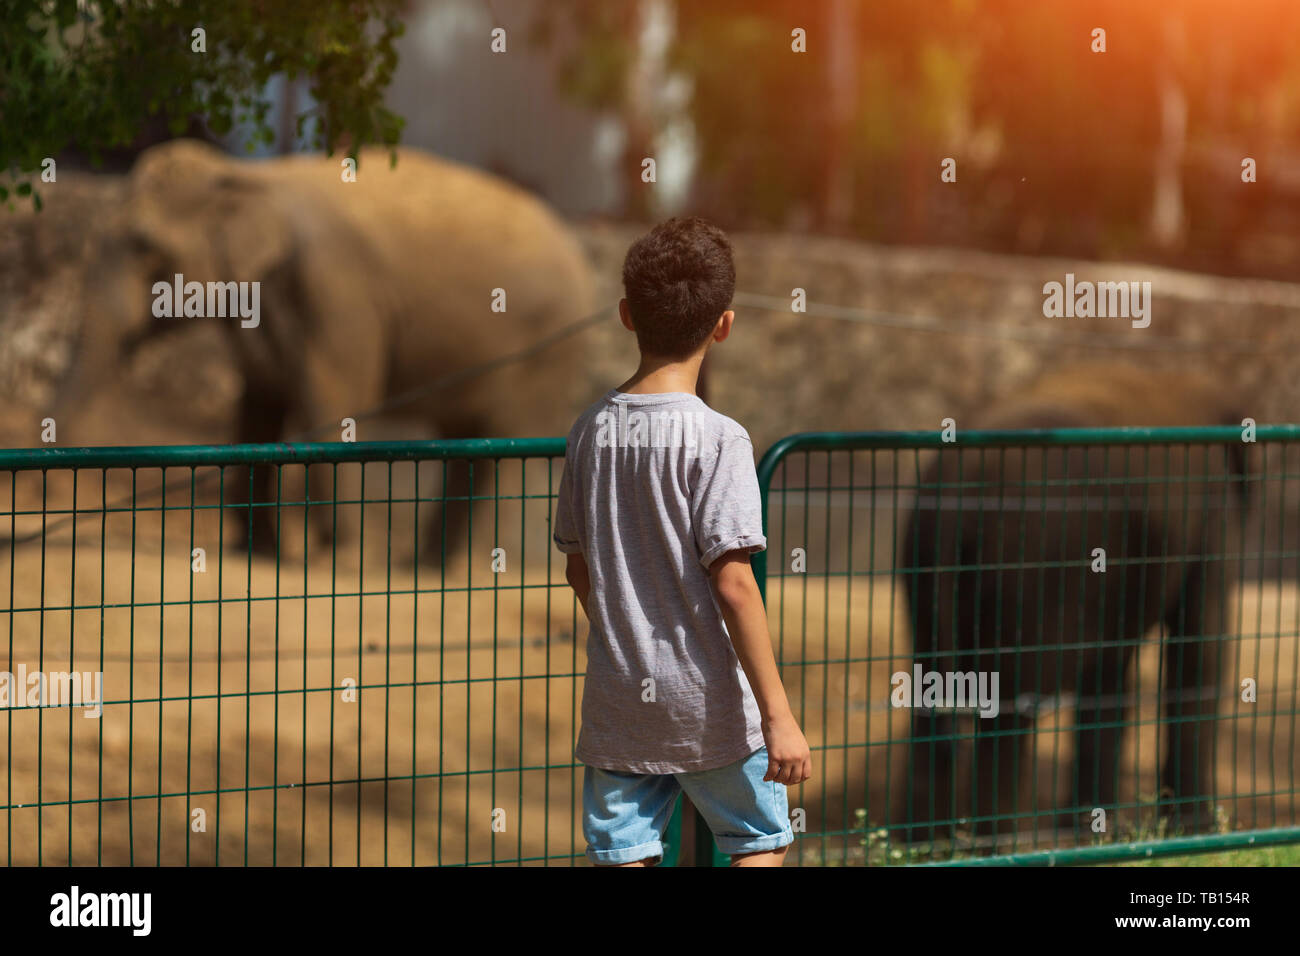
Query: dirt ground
(230, 699)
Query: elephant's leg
(1194, 654)
(928, 799)
(931, 755)
(459, 514)
(1099, 731)
(338, 382)
(1001, 757)
(261, 419)
(458, 511)
(321, 517)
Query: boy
(658, 512)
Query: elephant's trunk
(1239, 460)
(98, 351)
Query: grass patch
(1252, 856)
(876, 848)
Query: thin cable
(925, 323)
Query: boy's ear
(723, 328)
(625, 315)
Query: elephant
(999, 578)
(368, 290)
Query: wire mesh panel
(388, 675)
(1029, 642)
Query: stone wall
(938, 333)
(929, 333)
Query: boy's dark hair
(678, 278)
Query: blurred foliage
(88, 74)
(594, 72)
(747, 79)
(1058, 148)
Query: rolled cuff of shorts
(743, 542)
(627, 854)
(568, 547)
(731, 846)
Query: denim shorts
(624, 814)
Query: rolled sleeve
(565, 533)
(727, 507)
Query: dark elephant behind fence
(1002, 574)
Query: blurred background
(826, 166)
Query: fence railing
(391, 674)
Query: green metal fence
(392, 674)
(1146, 701)
(389, 676)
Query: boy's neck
(657, 374)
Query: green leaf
(96, 87)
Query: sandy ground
(235, 704)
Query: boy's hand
(741, 603)
(789, 761)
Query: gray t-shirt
(655, 488)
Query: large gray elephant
(369, 291)
(999, 567)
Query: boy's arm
(579, 578)
(789, 758)
(566, 531)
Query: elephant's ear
(169, 199)
(254, 231)
(205, 215)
